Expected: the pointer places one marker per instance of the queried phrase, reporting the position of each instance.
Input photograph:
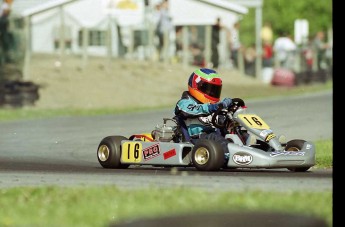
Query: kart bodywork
(252, 144)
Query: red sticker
(169, 154)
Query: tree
(283, 13)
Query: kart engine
(164, 133)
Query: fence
(186, 45)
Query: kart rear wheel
(296, 145)
(109, 152)
(207, 155)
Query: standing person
(5, 39)
(267, 33)
(235, 44)
(215, 42)
(284, 49)
(267, 48)
(308, 55)
(267, 55)
(320, 47)
(267, 61)
(164, 27)
(249, 60)
(179, 42)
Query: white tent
(46, 19)
(205, 12)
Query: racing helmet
(205, 85)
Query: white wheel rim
(202, 156)
(103, 153)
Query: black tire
(29, 93)
(109, 152)
(296, 145)
(207, 155)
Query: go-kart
(252, 144)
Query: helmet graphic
(205, 85)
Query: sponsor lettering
(151, 152)
(169, 154)
(191, 107)
(292, 153)
(242, 158)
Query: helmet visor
(212, 90)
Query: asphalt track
(62, 151)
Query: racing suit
(198, 119)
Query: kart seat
(183, 127)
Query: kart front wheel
(109, 152)
(296, 145)
(207, 155)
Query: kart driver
(196, 106)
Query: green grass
(324, 154)
(32, 113)
(99, 206)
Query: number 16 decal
(253, 121)
(131, 152)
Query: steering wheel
(236, 103)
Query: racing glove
(213, 107)
(226, 103)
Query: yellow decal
(127, 4)
(269, 137)
(147, 137)
(253, 121)
(131, 152)
(142, 137)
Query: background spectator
(284, 50)
(267, 55)
(308, 55)
(5, 36)
(320, 47)
(267, 33)
(164, 26)
(198, 55)
(267, 48)
(215, 42)
(249, 60)
(235, 44)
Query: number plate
(253, 121)
(131, 152)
